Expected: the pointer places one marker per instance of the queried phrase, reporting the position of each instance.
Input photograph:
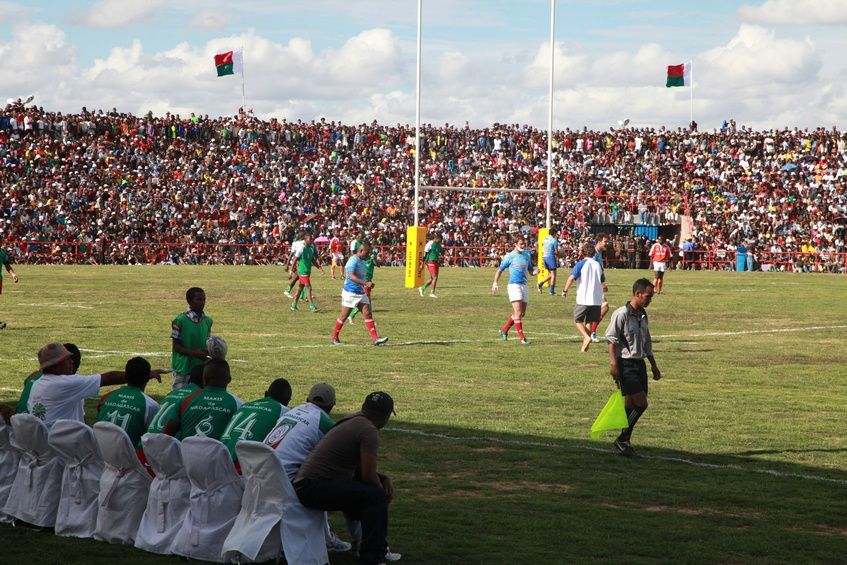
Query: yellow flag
(612, 417)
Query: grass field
(745, 455)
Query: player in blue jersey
(519, 263)
(550, 258)
(354, 294)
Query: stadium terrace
(109, 187)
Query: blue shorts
(550, 263)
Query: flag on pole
(612, 416)
(230, 63)
(679, 75)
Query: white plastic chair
(124, 486)
(216, 491)
(75, 444)
(10, 456)
(167, 504)
(302, 530)
(34, 496)
(255, 535)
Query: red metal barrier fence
(120, 252)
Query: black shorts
(633, 376)
(586, 314)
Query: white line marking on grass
(7, 389)
(754, 332)
(109, 353)
(79, 305)
(99, 353)
(609, 451)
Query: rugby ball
(216, 346)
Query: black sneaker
(625, 449)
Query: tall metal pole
(418, 115)
(550, 110)
(691, 88)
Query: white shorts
(337, 256)
(518, 293)
(353, 300)
(659, 266)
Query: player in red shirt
(660, 255)
(336, 251)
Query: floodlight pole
(550, 111)
(418, 114)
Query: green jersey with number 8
(207, 413)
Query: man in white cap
(59, 393)
(297, 432)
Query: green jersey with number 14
(252, 422)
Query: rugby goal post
(416, 234)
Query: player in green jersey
(169, 406)
(189, 333)
(432, 259)
(128, 407)
(254, 420)
(206, 412)
(7, 263)
(305, 259)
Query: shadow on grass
(467, 495)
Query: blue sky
(769, 63)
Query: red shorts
(432, 267)
(1, 286)
(368, 291)
(304, 279)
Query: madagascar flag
(229, 63)
(679, 75)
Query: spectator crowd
(112, 187)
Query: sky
(765, 63)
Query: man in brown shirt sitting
(341, 474)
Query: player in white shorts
(519, 263)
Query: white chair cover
(75, 444)
(167, 504)
(302, 531)
(9, 458)
(34, 496)
(216, 491)
(124, 486)
(255, 535)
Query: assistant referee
(630, 343)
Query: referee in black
(630, 343)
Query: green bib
(192, 335)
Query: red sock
(338, 325)
(593, 327)
(371, 328)
(519, 328)
(509, 323)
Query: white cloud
(36, 59)
(12, 11)
(759, 77)
(208, 19)
(796, 12)
(118, 13)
